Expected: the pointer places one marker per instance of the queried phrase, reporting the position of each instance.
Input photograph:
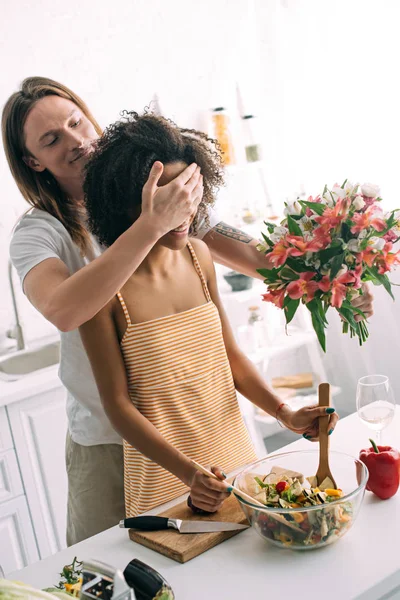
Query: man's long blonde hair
(41, 190)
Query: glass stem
(378, 437)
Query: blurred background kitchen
(310, 93)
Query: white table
(364, 565)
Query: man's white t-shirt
(37, 237)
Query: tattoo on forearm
(232, 232)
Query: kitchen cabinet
(18, 547)
(39, 425)
(33, 480)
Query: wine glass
(375, 402)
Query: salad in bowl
(297, 513)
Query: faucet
(16, 332)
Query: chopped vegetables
(281, 486)
(71, 579)
(284, 489)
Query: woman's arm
(68, 300)
(100, 339)
(246, 376)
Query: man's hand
(168, 206)
(364, 302)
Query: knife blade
(154, 523)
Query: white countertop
(364, 565)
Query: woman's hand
(305, 421)
(168, 206)
(364, 302)
(207, 493)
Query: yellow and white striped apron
(180, 379)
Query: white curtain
(331, 88)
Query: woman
(162, 351)
(48, 135)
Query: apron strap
(199, 272)
(126, 313)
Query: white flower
(350, 188)
(370, 190)
(358, 203)
(306, 225)
(278, 233)
(376, 243)
(339, 192)
(353, 245)
(327, 199)
(292, 208)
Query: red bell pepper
(383, 464)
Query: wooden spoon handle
(324, 399)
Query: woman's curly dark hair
(121, 163)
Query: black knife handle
(149, 523)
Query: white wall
(116, 55)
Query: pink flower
(301, 246)
(369, 255)
(275, 296)
(390, 236)
(303, 287)
(325, 284)
(280, 253)
(368, 201)
(386, 260)
(332, 217)
(339, 289)
(366, 220)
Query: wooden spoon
(324, 399)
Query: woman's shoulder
(203, 255)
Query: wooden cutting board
(185, 546)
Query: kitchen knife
(152, 523)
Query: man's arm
(236, 249)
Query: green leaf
(378, 279)
(290, 306)
(336, 265)
(347, 314)
(334, 249)
(325, 190)
(287, 273)
(347, 304)
(267, 240)
(345, 231)
(317, 324)
(270, 226)
(299, 266)
(317, 207)
(294, 229)
(317, 306)
(271, 275)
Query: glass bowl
(305, 528)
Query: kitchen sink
(28, 361)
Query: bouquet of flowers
(323, 251)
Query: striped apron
(180, 379)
